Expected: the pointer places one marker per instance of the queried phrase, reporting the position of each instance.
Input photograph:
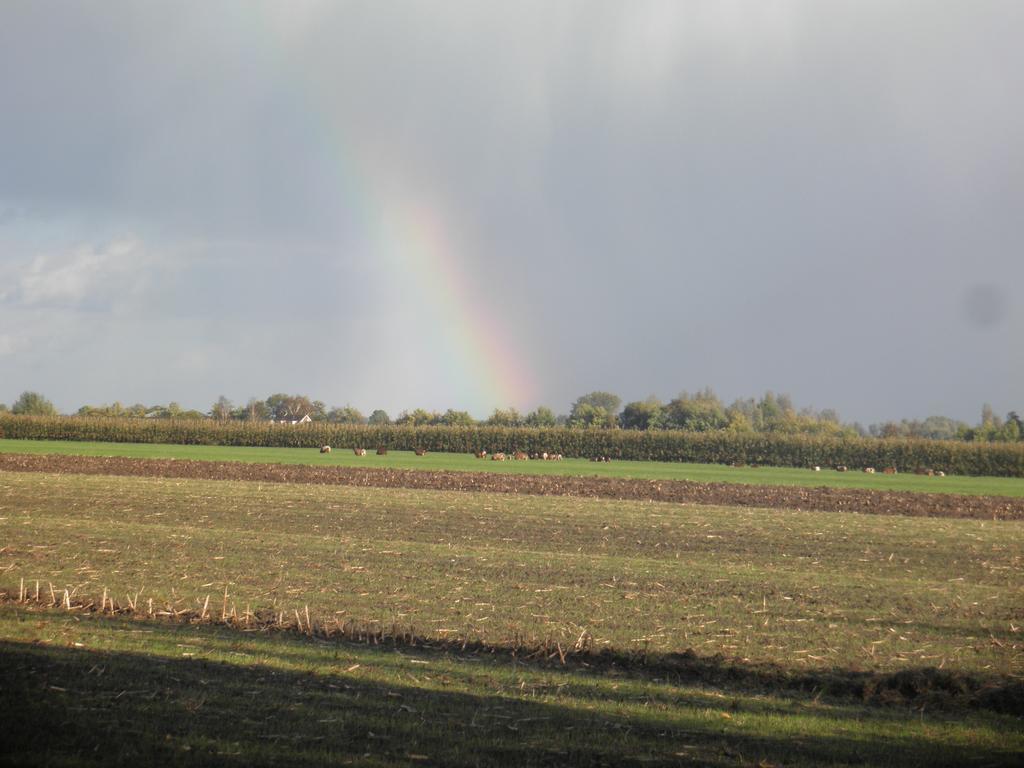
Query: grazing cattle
(889, 471)
(520, 456)
(841, 468)
(325, 449)
(601, 458)
(499, 456)
(420, 451)
(869, 470)
(817, 469)
(359, 451)
(940, 473)
(554, 457)
(923, 471)
(481, 454)
(382, 451)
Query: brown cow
(889, 471)
(359, 451)
(481, 454)
(521, 456)
(420, 451)
(325, 449)
(382, 451)
(499, 456)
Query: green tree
(254, 410)
(606, 400)
(293, 407)
(221, 410)
(643, 414)
(346, 415)
(541, 417)
(379, 417)
(33, 404)
(700, 412)
(505, 417)
(136, 411)
(453, 418)
(587, 416)
(417, 418)
(1013, 418)
(1010, 431)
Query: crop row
(992, 459)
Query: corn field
(991, 459)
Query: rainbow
(406, 229)
(483, 367)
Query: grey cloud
(648, 196)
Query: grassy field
(120, 692)
(705, 473)
(781, 596)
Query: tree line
(701, 411)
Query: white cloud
(84, 275)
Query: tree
(346, 415)
(606, 400)
(457, 419)
(379, 417)
(221, 410)
(1011, 418)
(418, 418)
(587, 416)
(293, 407)
(254, 410)
(700, 412)
(541, 417)
(642, 414)
(33, 404)
(507, 417)
(1010, 431)
(136, 411)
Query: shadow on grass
(68, 705)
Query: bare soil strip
(675, 491)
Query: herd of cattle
(517, 456)
(892, 471)
(523, 456)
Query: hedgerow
(992, 459)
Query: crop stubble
(822, 499)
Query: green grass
(794, 593)
(652, 470)
(90, 690)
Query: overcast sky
(475, 204)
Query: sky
(474, 205)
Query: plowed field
(685, 492)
